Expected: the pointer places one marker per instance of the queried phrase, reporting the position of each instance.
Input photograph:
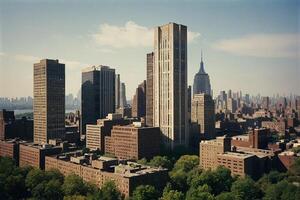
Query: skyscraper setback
(49, 100)
(170, 83)
(98, 94)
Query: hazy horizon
(249, 46)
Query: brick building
(133, 142)
(34, 155)
(11, 128)
(127, 176)
(95, 134)
(256, 138)
(10, 149)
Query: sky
(253, 46)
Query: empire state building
(201, 81)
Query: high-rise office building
(49, 100)
(201, 81)
(98, 94)
(123, 101)
(139, 101)
(170, 83)
(117, 90)
(203, 113)
(149, 89)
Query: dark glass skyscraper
(49, 100)
(201, 81)
(97, 94)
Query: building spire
(201, 56)
(201, 64)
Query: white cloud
(262, 45)
(129, 35)
(2, 54)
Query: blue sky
(251, 46)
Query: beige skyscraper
(49, 100)
(203, 114)
(170, 83)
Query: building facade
(203, 114)
(34, 154)
(95, 133)
(139, 101)
(170, 83)
(11, 128)
(149, 90)
(97, 94)
(133, 142)
(123, 100)
(49, 100)
(117, 91)
(127, 176)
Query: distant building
(133, 142)
(49, 100)
(256, 138)
(34, 154)
(149, 90)
(139, 101)
(95, 133)
(232, 105)
(201, 81)
(11, 128)
(203, 114)
(126, 175)
(98, 94)
(123, 100)
(240, 161)
(117, 91)
(124, 111)
(278, 126)
(170, 83)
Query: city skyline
(257, 51)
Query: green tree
(246, 189)
(295, 168)
(161, 161)
(34, 177)
(182, 167)
(172, 195)
(145, 192)
(226, 196)
(143, 161)
(282, 190)
(75, 197)
(109, 191)
(199, 193)
(219, 180)
(271, 178)
(74, 185)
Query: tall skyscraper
(117, 91)
(98, 94)
(149, 90)
(139, 101)
(203, 113)
(201, 81)
(170, 83)
(123, 100)
(49, 100)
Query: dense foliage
(187, 182)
